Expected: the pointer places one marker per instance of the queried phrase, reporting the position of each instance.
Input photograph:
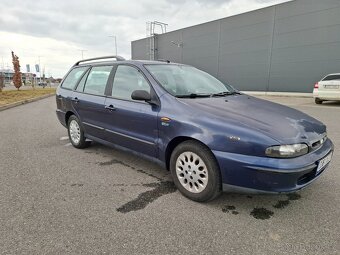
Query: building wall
(287, 47)
(8, 75)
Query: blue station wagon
(210, 136)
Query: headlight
(287, 151)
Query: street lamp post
(39, 70)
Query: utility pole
(82, 53)
(115, 38)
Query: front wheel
(76, 133)
(195, 171)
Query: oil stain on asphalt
(160, 188)
(261, 213)
(264, 214)
(145, 198)
(293, 196)
(281, 204)
(113, 162)
(77, 185)
(284, 203)
(149, 174)
(230, 208)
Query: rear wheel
(76, 133)
(318, 101)
(195, 171)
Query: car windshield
(187, 81)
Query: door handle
(76, 100)
(110, 107)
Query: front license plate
(323, 162)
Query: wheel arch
(174, 143)
(67, 116)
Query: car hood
(282, 123)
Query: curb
(30, 100)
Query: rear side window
(128, 79)
(81, 84)
(332, 77)
(73, 77)
(97, 79)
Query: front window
(187, 81)
(128, 79)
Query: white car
(327, 89)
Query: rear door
(131, 124)
(89, 98)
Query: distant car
(210, 136)
(328, 89)
(42, 84)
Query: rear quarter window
(332, 77)
(73, 77)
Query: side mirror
(141, 95)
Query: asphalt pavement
(55, 199)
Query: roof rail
(164, 60)
(118, 58)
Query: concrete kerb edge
(30, 100)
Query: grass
(13, 96)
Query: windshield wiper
(193, 95)
(226, 93)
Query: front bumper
(270, 175)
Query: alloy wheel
(192, 172)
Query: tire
(192, 162)
(76, 133)
(318, 101)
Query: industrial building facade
(286, 47)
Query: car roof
(103, 61)
(332, 74)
